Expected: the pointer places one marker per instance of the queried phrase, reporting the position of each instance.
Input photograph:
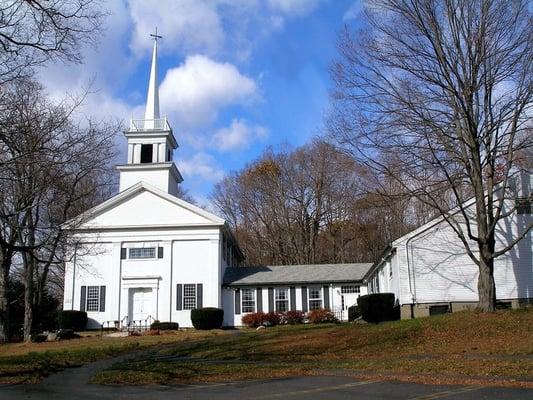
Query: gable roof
(287, 274)
(132, 191)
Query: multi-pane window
(524, 206)
(141, 252)
(248, 300)
(315, 297)
(93, 298)
(282, 299)
(189, 296)
(350, 289)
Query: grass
(459, 348)
(30, 362)
(464, 347)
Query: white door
(140, 304)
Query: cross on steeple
(155, 35)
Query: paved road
(319, 387)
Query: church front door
(140, 304)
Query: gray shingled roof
(282, 274)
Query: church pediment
(143, 205)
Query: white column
(136, 153)
(155, 152)
(162, 157)
(130, 153)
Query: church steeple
(152, 99)
(151, 143)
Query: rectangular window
(137, 253)
(523, 206)
(282, 299)
(315, 298)
(248, 300)
(93, 298)
(350, 289)
(146, 153)
(189, 296)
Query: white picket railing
(160, 124)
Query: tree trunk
(29, 293)
(4, 309)
(486, 287)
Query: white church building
(147, 255)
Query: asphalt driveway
(322, 387)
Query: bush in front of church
(164, 326)
(72, 319)
(207, 318)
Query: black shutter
(259, 299)
(179, 297)
(237, 302)
(304, 298)
(102, 298)
(199, 295)
(123, 253)
(293, 298)
(271, 299)
(326, 297)
(83, 298)
(159, 252)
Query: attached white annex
(147, 255)
(430, 272)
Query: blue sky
(236, 76)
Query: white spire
(152, 99)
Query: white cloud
(201, 165)
(195, 91)
(294, 7)
(355, 9)
(238, 135)
(187, 25)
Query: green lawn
(458, 348)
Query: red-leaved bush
(292, 317)
(253, 320)
(272, 318)
(321, 316)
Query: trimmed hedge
(378, 307)
(164, 326)
(207, 318)
(353, 313)
(72, 319)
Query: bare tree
(54, 168)
(445, 89)
(33, 32)
(295, 207)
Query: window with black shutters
(95, 298)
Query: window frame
(154, 248)
(524, 205)
(94, 302)
(357, 291)
(314, 300)
(186, 298)
(251, 305)
(277, 300)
